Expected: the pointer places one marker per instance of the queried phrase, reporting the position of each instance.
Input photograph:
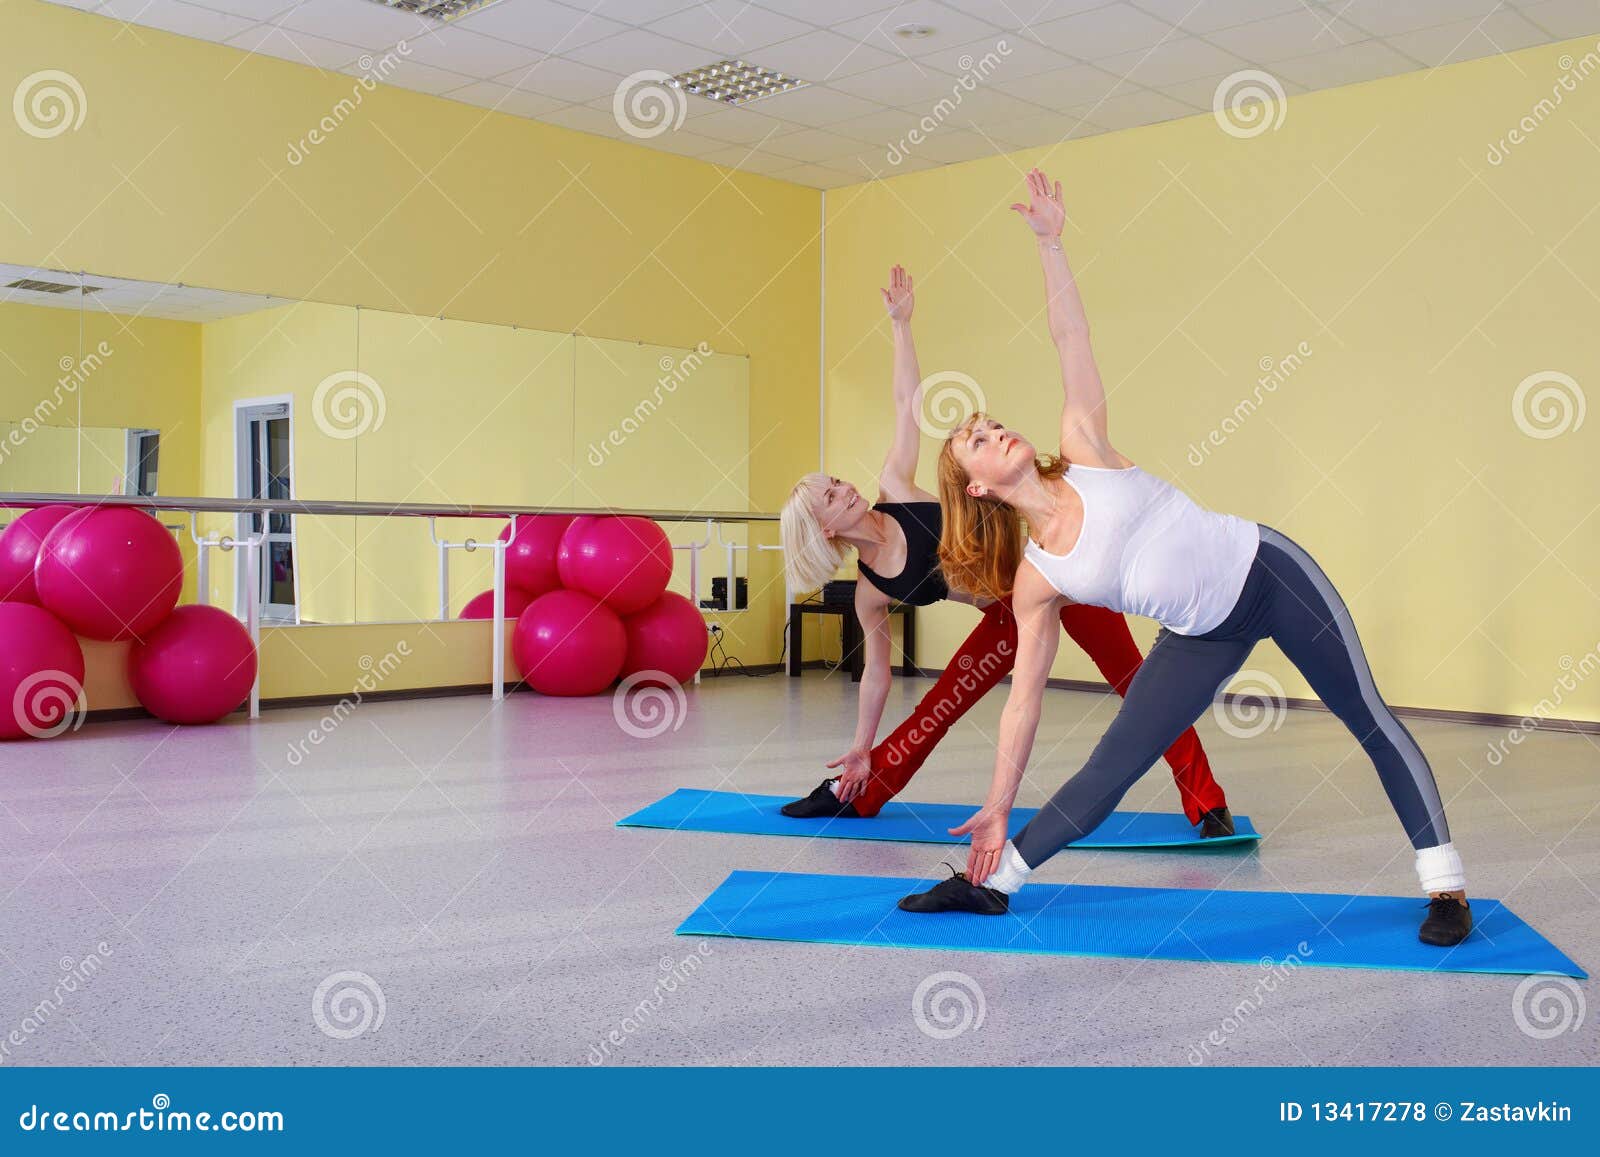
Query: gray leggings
(1287, 599)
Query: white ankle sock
(1012, 872)
(833, 786)
(1439, 869)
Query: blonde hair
(810, 557)
(980, 547)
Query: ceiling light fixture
(915, 31)
(441, 10)
(735, 82)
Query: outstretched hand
(988, 831)
(1045, 212)
(897, 299)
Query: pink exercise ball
(667, 636)
(109, 572)
(531, 557)
(195, 667)
(568, 644)
(19, 550)
(621, 560)
(41, 672)
(481, 606)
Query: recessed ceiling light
(735, 82)
(437, 9)
(915, 31)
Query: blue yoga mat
(693, 810)
(1262, 928)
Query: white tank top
(1147, 549)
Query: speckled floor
(181, 896)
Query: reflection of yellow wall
(1427, 283)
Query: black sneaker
(1216, 822)
(821, 804)
(1449, 920)
(957, 894)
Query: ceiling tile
(950, 145)
(174, 16)
(1503, 31)
(1565, 18)
(748, 162)
(639, 50)
(503, 98)
(884, 127)
(1176, 60)
(300, 47)
(1282, 37)
(1208, 16)
(1385, 17)
(737, 125)
(1065, 87)
(1128, 110)
(949, 27)
(729, 28)
(824, 12)
(1351, 64)
(821, 57)
(684, 143)
(587, 119)
(417, 77)
(1102, 32)
(1202, 93)
(467, 52)
(813, 145)
(817, 176)
(1020, 57)
(254, 9)
(1046, 129)
(355, 22)
(872, 166)
(542, 24)
(816, 106)
(907, 83)
(559, 77)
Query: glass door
(265, 471)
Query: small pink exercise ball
(195, 667)
(566, 643)
(667, 636)
(19, 551)
(41, 672)
(622, 560)
(109, 572)
(481, 606)
(531, 557)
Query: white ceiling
(1075, 67)
(134, 298)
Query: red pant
(983, 660)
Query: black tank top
(919, 581)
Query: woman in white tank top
(1102, 531)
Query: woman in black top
(897, 541)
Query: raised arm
(872, 609)
(1034, 602)
(898, 478)
(1083, 411)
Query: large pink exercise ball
(19, 550)
(625, 562)
(531, 557)
(41, 672)
(109, 572)
(195, 667)
(566, 643)
(667, 636)
(481, 606)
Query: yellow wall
(1427, 282)
(180, 172)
